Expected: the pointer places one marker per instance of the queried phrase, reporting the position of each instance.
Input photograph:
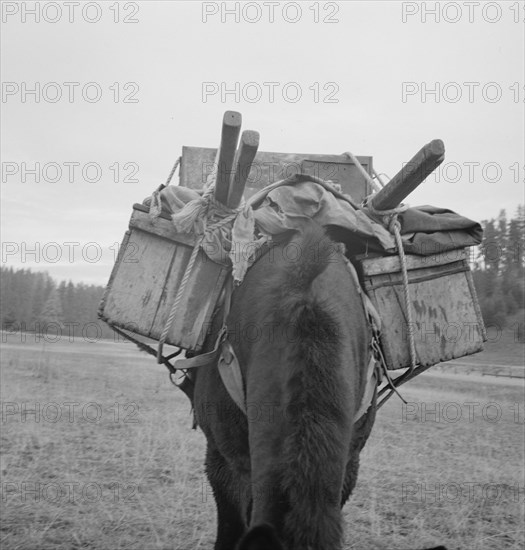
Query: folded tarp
(429, 230)
(425, 229)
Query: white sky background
(369, 53)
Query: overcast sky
(375, 78)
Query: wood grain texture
(146, 277)
(423, 163)
(159, 226)
(447, 323)
(231, 128)
(267, 167)
(138, 282)
(243, 164)
(391, 264)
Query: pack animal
(281, 473)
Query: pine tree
(40, 294)
(499, 273)
(52, 311)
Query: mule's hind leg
(230, 522)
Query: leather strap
(230, 370)
(370, 388)
(222, 355)
(231, 375)
(205, 359)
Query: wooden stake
(231, 128)
(410, 176)
(244, 159)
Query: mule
(281, 472)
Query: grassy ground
(121, 467)
(503, 345)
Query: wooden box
(198, 162)
(151, 263)
(446, 317)
(153, 256)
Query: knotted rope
(155, 207)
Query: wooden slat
(159, 226)
(390, 264)
(415, 275)
(179, 261)
(198, 303)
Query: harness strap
(204, 359)
(370, 388)
(373, 373)
(231, 375)
(222, 355)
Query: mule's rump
(300, 333)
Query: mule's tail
(319, 424)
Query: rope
(373, 184)
(389, 218)
(378, 353)
(155, 206)
(177, 300)
(378, 177)
(396, 226)
(177, 162)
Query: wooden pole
(231, 128)
(247, 151)
(410, 176)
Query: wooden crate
(446, 317)
(197, 163)
(151, 263)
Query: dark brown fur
(302, 340)
(307, 363)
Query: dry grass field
(98, 453)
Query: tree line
(34, 302)
(498, 267)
